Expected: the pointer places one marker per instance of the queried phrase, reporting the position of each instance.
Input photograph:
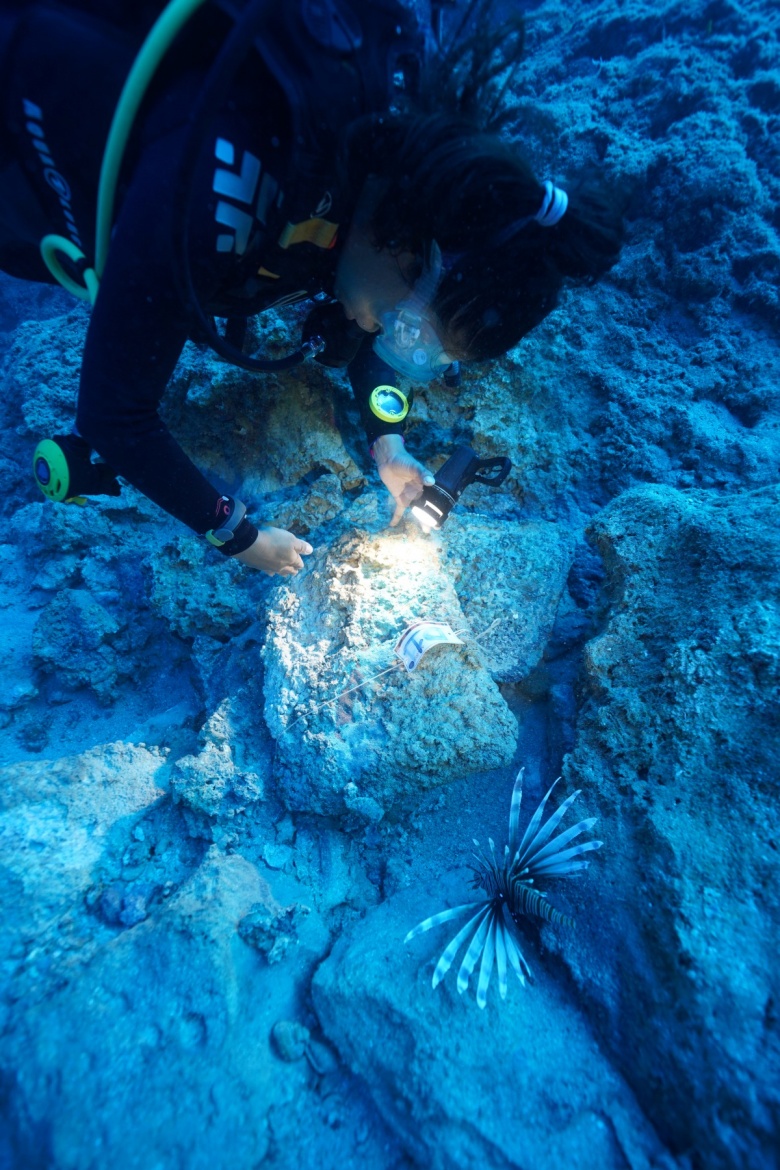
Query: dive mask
(408, 341)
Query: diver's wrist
(386, 447)
(244, 537)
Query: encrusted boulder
(43, 372)
(678, 750)
(58, 821)
(73, 638)
(521, 1084)
(512, 574)
(169, 1014)
(210, 783)
(343, 735)
(271, 432)
(198, 591)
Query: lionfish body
(511, 894)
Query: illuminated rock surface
(334, 628)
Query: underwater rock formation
(521, 1084)
(679, 751)
(210, 783)
(280, 431)
(177, 992)
(515, 575)
(58, 820)
(144, 726)
(335, 627)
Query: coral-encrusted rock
(272, 431)
(73, 639)
(58, 819)
(171, 1013)
(679, 745)
(334, 627)
(210, 782)
(521, 1084)
(43, 372)
(512, 572)
(198, 591)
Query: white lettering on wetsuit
(241, 186)
(53, 177)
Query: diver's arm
(367, 371)
(403, 476)
(135, 337)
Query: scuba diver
(227, 156)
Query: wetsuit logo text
(240, 186)
(53, 177)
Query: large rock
(522, 1084)
(198, 591)
(158, 1054)
(268, 432)
(334, 627)
(43, 373)
(210, 783)
(679, 745)
(74, 638)
(512, 574)
(58, 820)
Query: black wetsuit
(140, 322)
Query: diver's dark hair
(447, 176)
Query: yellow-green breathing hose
(154, 48)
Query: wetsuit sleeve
(366, 372)
(137, 331)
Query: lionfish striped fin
(436, 920)
(486, 966)
(535, 821)
(501, 956)
(535, 843)
(473, 953)
(557, 844)
(515, 956)
(558, 864)
(481, 857)
(571, 869)
(446, 960)
(514, 811)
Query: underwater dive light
(64, 471)
(462, 468)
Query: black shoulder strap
(334, 60)
(333, 63)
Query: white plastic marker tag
(419, 637)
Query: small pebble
(321, 1058)
(277, 856)
(290, 1040)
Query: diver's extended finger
(400, 508)
(302, 546)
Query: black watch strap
(243, 538)
(228, 516)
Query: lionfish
(511, 894)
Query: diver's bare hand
(400, 472)
(276, 551)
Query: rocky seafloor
(208, 868)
